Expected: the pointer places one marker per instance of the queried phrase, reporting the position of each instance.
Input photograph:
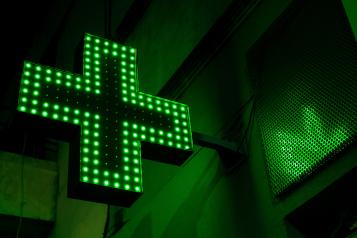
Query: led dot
(96, 162)
(24, 99)
(37, 76)
(44, 113)
(106, 182)
(127, 186)
(116, 185)
(55, 116)
(27, 73)
(85, 178)
(116, 175)
(127, 178)
(106, 173)
(86, 159)
(137, 189)
(85, 169)
(96, 180)
(136, 179)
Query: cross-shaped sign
(116, 119)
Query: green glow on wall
(114, 116)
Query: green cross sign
(115, 118)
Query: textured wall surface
(40, 186)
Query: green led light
(110, 143)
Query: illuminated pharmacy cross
(114, 116)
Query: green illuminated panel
(114, 116)
(296, 152)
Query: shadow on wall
(184, 223)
